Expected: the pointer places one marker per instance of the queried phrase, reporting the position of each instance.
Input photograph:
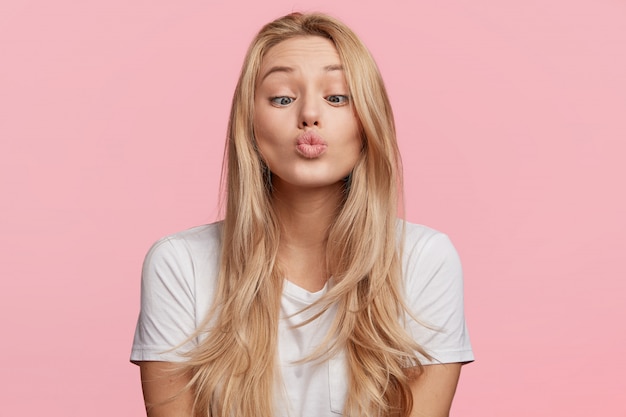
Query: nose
(309, 112)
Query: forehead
(301, 51)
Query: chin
(312, 183)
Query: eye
(337, 99)
(281, 100)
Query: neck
(306, 214)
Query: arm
(167, 318)
(435, 291)
(434, 389)
(164, 390)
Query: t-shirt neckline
(297, 292)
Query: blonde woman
(310, 298)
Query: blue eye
(282, 100)
(337, 99)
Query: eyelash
(343, 99)
(276, 100)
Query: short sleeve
(434, 287)
(167, 317)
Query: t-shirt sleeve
(434, 285)
(167, 317)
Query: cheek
(357, 138)
(264, 121)
(260, 126)
(357, 150)
(264, 137)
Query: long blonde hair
(235, 368)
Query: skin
(434, 390)
(302, 88)
(159, 387)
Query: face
(304, 122)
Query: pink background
(512, 122)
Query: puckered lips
(310, 145)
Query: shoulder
(177, 285)
(196, 239)
(433, 284)
(192, 246)
(181, 260)
(419, 241)
(429, 259)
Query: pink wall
(512, 121)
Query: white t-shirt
(178, 285)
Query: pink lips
(310, 145)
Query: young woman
(310, 298)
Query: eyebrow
(327, 68)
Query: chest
(307, 388)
